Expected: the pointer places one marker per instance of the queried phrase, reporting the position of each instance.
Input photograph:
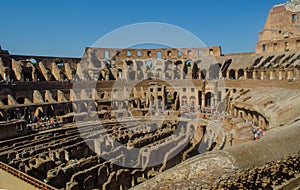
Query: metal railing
(26, 178)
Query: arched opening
(5, 101)
(39, 112)
(82, 107)
(129, 64)
(139, 64)
(283, 74)
(50, 111)
(160, 102)
(249, 74)
(232, 74)
(50, 75)
(132, 75)
(203, 74)
(208, 99)
(214, 71)
(152, 102)
(195, 71)
(62, 75)
(168, 65)
(149, 74)
(178, 62)
(140, 74)
(174, 97)
(33, 61)
(185, 70)
(148, 65)
(101, 75)
(21, 100)
(55, 98)
(27, 73)
(184, 101)
(192, 103)
(188, 63)
(120, 72)
(240, 73)
(169, 100)
(159, 74)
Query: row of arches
(178, 70)
(271, 74)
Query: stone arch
(39, 112)
(275, 74)
(27, 73)
(268, 73)
(283, 74)
(149, 74)
(139, 64)
(240, 73)
(55, 97)
(249, 74)
(195, 71)
(192, 103)
(159, 73)
(132, 75)
(91, 106)
(177, 71)
(5, 101)
(178, 62)
(184, 100)
(149, 65)
(129, 63)
(102, 95)
(168, 65)
(160, 102)
(82, 107)
(203, 74)
(50, 111)
(214, 70)
(120, 73)
(20, 100)
(189, 63)
(208, 99)
(232, 74)
(140, 74)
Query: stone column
(272, 75)
(235, 111)
(245, 74)
(254, 74)
(262, 75)
(156, 103)
(215, 99)
(280, 75)
(249, 116)
(203, 99)
(290, 74)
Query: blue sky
(65, 27)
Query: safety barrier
(26, 178)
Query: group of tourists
(40, 123)
(258, 132)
